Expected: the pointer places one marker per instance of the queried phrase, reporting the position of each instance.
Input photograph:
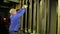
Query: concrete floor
(22, 32)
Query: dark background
(4, 13)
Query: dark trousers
(13, 32)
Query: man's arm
(22, 11)
(25, 6)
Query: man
(14, 18)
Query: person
(14, 18)
(5, 25)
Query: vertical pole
(48, 16)
(26, 18)
(39, 18)
(53, 22)
(30, 15)
(58, 17)
(34, 18)
(23, 18)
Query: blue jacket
(15, 23)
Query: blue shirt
(15, 23)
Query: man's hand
(25, 6)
